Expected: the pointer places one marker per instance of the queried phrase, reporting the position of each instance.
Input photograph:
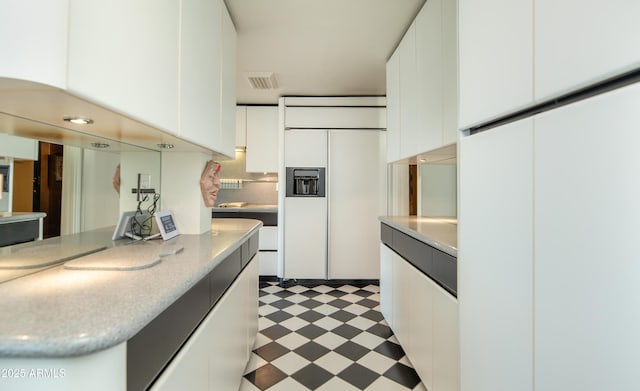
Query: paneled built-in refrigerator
(335, 236)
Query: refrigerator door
(355, 178)
(305, 233)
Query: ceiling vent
(262, 81)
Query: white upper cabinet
(241, 126)
(262, 139)
(227, 86)
(496, 58)
(124, 55)
(394, 127)
(33, 40)
(449, 72)
(422, 84)
(579, 43)
(427, 134)
(408, 92)
(200, 68)
(18, 147)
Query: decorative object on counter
(166, 225)
(210, 183)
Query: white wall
(101, 202)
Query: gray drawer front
(440, 267)
(19, 232)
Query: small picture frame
(166, 224)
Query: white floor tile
(268, 299)
(361, 323)
(272, 289)
(294, 323)
(322, 289)
(290, 363)
(356, 309)
(337, 384)
(376, 362)
(292, 340)
(368, 340)
(330, 340)
(384, 384)
(333, 362)
(352, 298)
(288, 384)
(325, 309)
(348, 288)
(327, 323)
(265, 310)
(324, 298)
(261, 340)
(295, 309)
(264, 323)
(297, 289)
(372, 288)
(297, 298)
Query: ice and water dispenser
(305, 182)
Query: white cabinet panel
(386, 284)
(445, 341)
(305, 148)
(200, 68)
(423, 318)
(336, 117)
(241, 126)
(427, 134)
(354, 252)
(496, 58)
(408, 92)
(394, 128)
(268, 239)
(268, 261)
(449, 71)
(33, 40)
(262, 139)
(106, 63)
(586, 235)
(580, 43)
(227, 77)
(18, 147)
(305, 237)
(403, 299)
(495, 272)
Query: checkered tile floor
(325, 338)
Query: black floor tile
(380, 330)
(310, 303)
(346, 331)
(265, 376)
(368, 303)
(310, 316)
(311, 331)
(352, 350)
(312, 351)
(282, 303)
(342, 315)
(312, 376)
(363, 293)
(271, 351)
(376, 316)
(278, 316)
(403, 374)
(339, 303)
(390, 349)
(310, 293)
(284, 294)
(276, 331)
(336, 293)
(358, 375)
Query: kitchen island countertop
(60, 312)
(438, 232)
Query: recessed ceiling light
(78, 120)
(165, 145)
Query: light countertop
(259, 208)
(62, 312)
(14, 217)
(438, 232)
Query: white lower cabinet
(268, 251)
(424, 319)
(215, 356)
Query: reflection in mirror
(438, 182)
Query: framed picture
(166, 224)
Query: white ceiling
(317, 47)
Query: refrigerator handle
(327, 189)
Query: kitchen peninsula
(418, 293)
(181, 311)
